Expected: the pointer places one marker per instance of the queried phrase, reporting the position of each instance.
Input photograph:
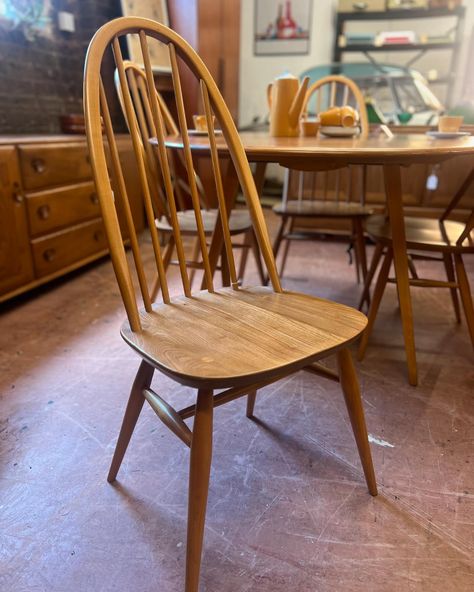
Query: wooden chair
(427, 238)
(232, 340)
(239, 220)
(327, 92)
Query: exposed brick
(42, 79)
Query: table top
(304, 152)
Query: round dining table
(323, 153)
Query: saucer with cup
(448, 127)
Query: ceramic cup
(349, 116)
(339, 116)
(309, 127)
(200, 122)
(450, 123)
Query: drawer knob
(98, 235)
(49, 255)
(38, 165)
(43, 212)
(17, 195)
(94, 198)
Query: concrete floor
(288, 506)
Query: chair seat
(239, 221)
(421, 233)
(235, 337)
(322, 209)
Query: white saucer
(195, 132)
(446, 135)
(336, 131)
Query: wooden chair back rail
(150, 117)
(138, 86)
(120, 184)
(188, 159)
(350, 89)
(137, 147)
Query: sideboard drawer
(43, 165)
(58, 250)
(56, 208)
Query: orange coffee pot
(286, 99)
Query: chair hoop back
(96, 106)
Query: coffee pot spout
(298, 103)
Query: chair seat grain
(231, 337)
(322, 209)
(239, 222)
(428, 234)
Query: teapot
(286, 100)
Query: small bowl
(450, 123)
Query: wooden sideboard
(50, 220)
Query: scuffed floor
(288, 507)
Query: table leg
(393, 190)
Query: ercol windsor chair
(327, 92)
(232, 340)
(427, 238)
(239, 220)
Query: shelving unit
(392, 15)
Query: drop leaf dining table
(319, 153)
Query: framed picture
(282, 28)
(156, 10)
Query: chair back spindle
(147, 116)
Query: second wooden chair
(441, 239)
(328, 92)
(239, 220)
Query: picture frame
(283, 27)
(156, 10)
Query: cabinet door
(15, 257)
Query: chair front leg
(134, 407)
(155, 290)
(350, 388)
(361, 255)
(448, 266)
(365, 296)
(465, 291)
(195, 259)
(199, 471)
(258, 259)
(244, 255)
(376, 299)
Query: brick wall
(42, 79)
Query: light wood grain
(258, 332)
(306, 153)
